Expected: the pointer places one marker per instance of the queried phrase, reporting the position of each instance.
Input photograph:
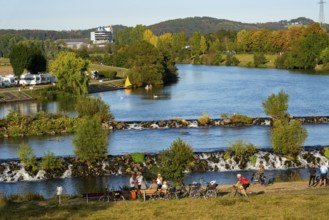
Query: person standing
(159, 181)
(139, 180)
(323, 175)
(312, 172)
(132, 182)
(261, 172)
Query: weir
(13, 171)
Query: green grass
(247, 60)
(275, 204)
(121, 72)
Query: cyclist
(242, 184)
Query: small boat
(128, 83)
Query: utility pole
(321, 12)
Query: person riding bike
(242, 184)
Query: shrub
(227, 155)
(288, 137)
(253, 159)
(27, 157)
(204, 120)
(231, 60)
(259, 59)
(326, 152)
(224, 115)
(241, 119)
(238, 147)
(50, 162)
(138, 157)
(90, 107)
(276, 106)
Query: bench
(152, 193)
(89, 196)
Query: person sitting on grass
(242, 184)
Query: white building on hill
(102, 36)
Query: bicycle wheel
(211, 194)
(103, 199)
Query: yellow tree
(151, 38)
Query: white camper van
(30, 79)
(8, 81)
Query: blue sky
(83, 14)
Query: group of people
(138, 182)
(323, 175)
(148, 87)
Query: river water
(210, 89)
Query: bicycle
(211, 190)
(111, 196)
(106, 197)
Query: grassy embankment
(292, 200)
(5, 67)
(247, 60)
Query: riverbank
(292, 200)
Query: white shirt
(324, 169)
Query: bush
(27, 157)
(239, 147)
(204, 120)
(138, 157)
(231, 61)
(50, 162)
(90, 107)
(253, 159)
(224, 115)
(326, 152)
(241, 119)
(276, 106)
(288, 137)
(227, 155)
(174, 162)
(259, 59)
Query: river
(210, 89)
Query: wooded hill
(189, 25)
(206, 25)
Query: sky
(83, 14)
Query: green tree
(203, 44)
(231, 60)
(195, 43)
(288, 137)
(37, 61)
(91, 141)
(276, 106)
(69, 70)
(174, 162)
(259, 59)
(91, 106)
(324, 55)
(19, 58)
(50, 162)
(146, 64)
(27, 157)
